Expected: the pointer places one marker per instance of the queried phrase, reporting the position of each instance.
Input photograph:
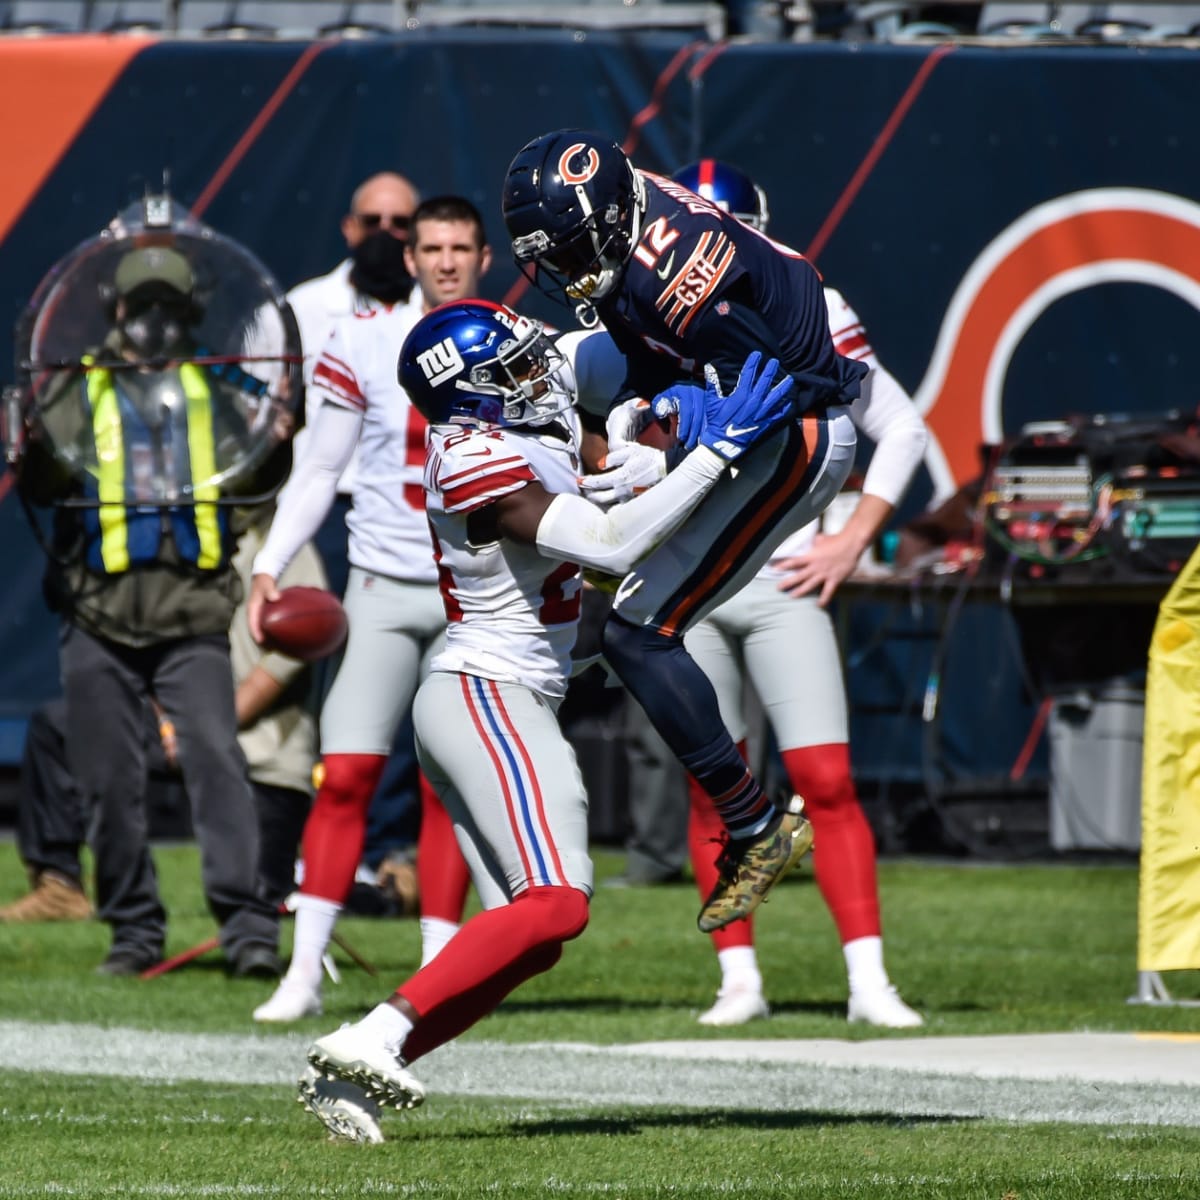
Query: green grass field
(989, 949)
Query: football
(660, 432)
(307, 623)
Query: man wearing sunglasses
(372, 274)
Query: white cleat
(343, 1108)
(883, 1007)
(349, 1054)
(292, 1001)
(736, 1007)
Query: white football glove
(628, 470)
(630, 418)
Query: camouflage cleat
(751, 867)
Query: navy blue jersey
(701, 287)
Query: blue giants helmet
(573, 205)
(728, 188)
(475, 363)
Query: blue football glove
(687, 401)
(733, 423)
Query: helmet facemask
(585, 264)
(760, 218)
(522, 384)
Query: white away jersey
(318, 304)
(357, 370)
(512, 613)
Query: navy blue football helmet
(728, 188)
(475, 363)
(573, 204)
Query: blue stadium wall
(1016, 226)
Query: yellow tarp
(1169, 883)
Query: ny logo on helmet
(590, 167)
(440, 362)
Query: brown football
(660, 433)
(307, 623)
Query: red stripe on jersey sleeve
(473, 470)
(339, 380)
(852, 343)
(482, 489)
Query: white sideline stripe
(1094, 1057)
(1042, 1077)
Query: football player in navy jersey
(676, 282)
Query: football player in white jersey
(372, 276)
(509, 530)
(392, 601)
(777, 630)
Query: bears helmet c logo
(590, 166)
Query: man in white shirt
(373, 275)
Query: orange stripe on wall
(1073, 241)
(54, 84)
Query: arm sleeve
(308, 494)
(614, 541)
(884, 411)
(891, 420)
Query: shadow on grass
(605, 1005)
(626, 1126)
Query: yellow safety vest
(128, 533)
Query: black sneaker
(257, 962)
(125, 963)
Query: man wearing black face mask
(136, 448)
(153, 309)
(379, 271)
(372, 276)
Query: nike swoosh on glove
(733, 423)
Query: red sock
(490, 956)
(705, 841)
(337, 824)
(843, 844)
(442, 874)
